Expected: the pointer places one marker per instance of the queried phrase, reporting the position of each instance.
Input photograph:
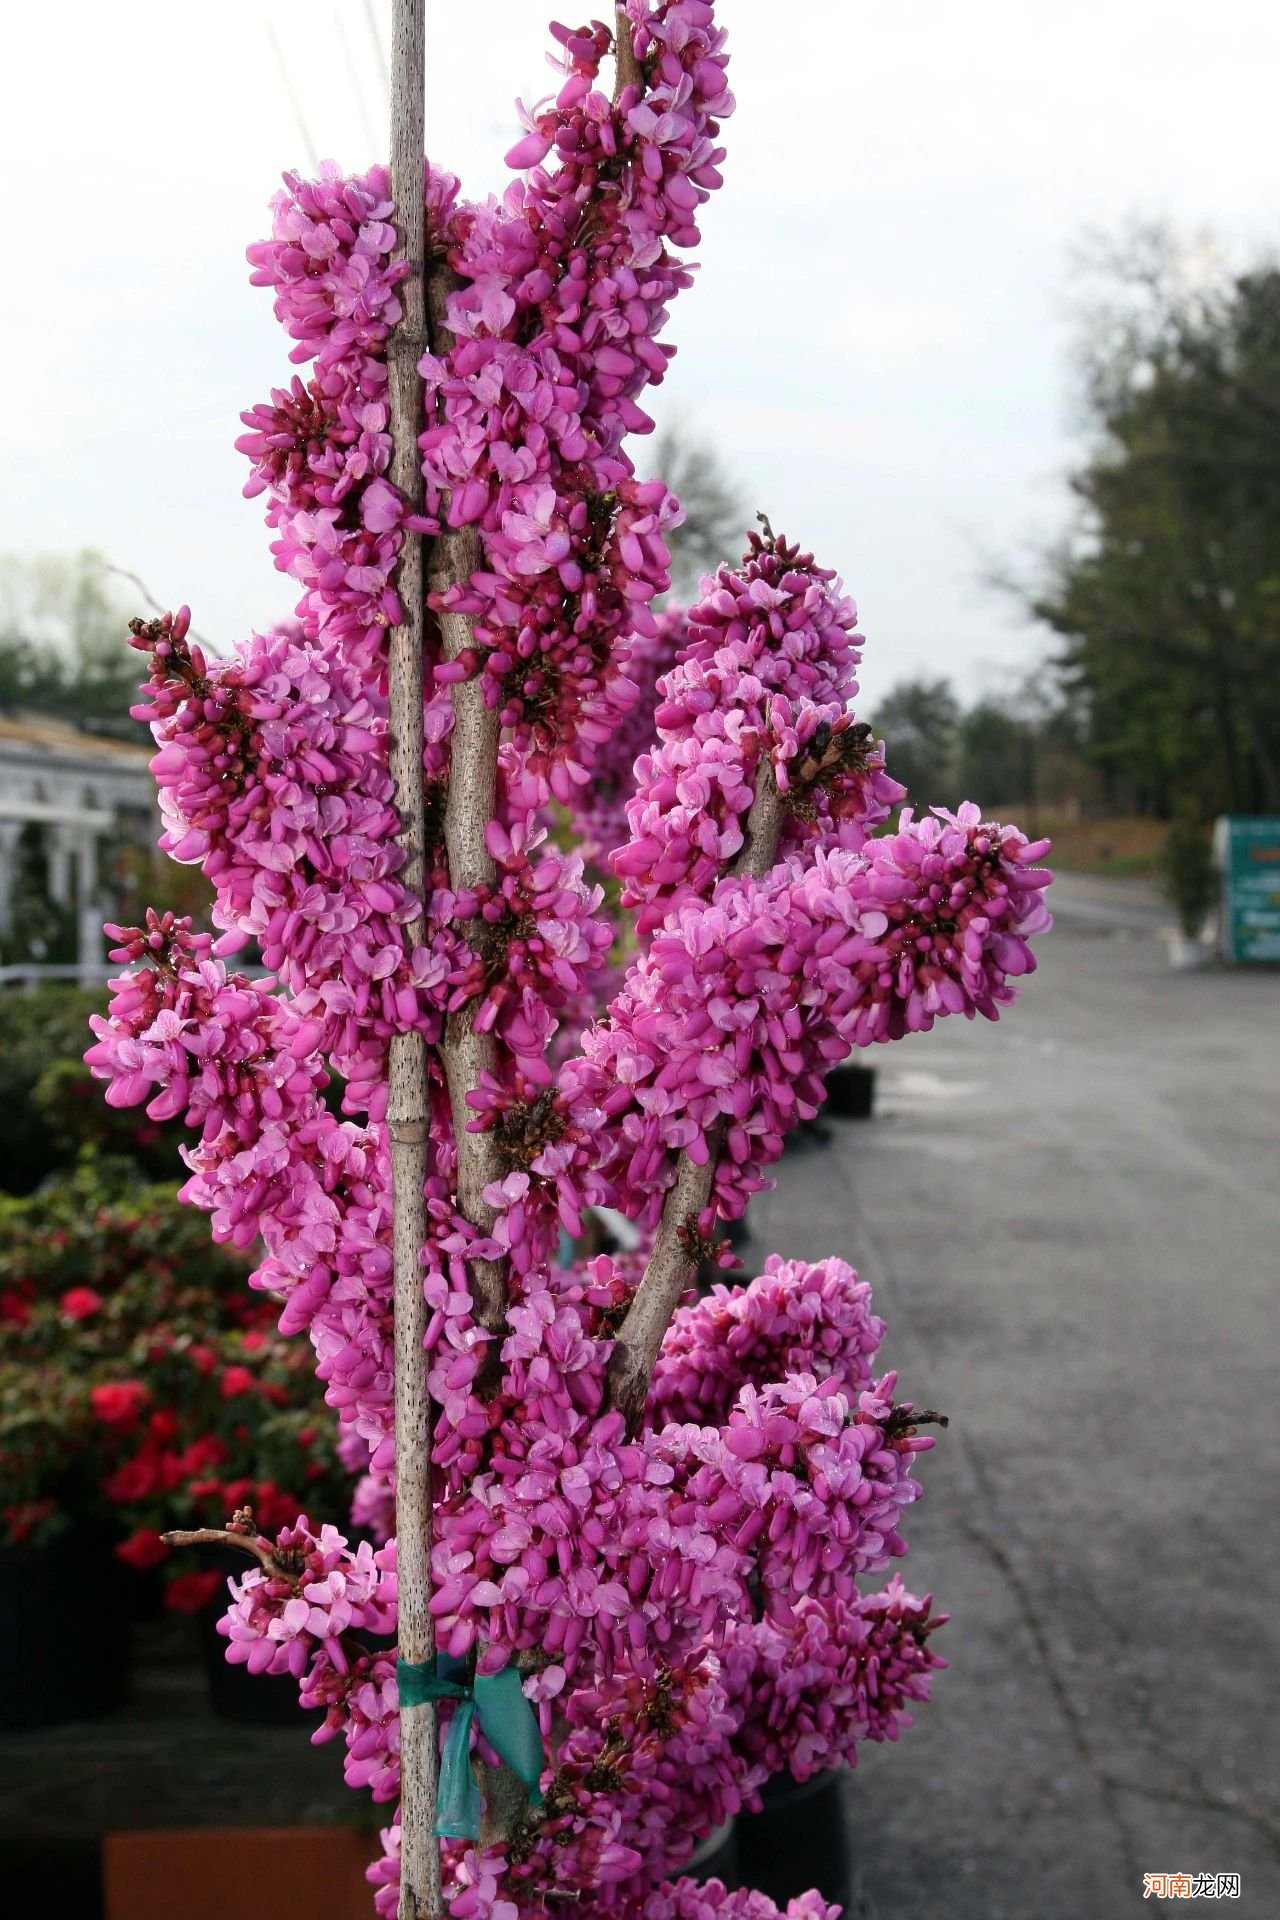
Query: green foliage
(63, 644)
(995, 757)
(50, 1106)
(1167, 592)
(920, 724)
(1187, 875)
(715, 521)
(142, 1384)
(49, 1464)
(40, 930)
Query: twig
(671, 1264)
(282, 67)
(408, 1103)
(109, 566)
(378, 49)
(232, 1537)
(353, 75)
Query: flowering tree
(648, 1516)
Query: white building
(79, 794)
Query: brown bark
(231, 1537)
(628, 67)
(470, 803)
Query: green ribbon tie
(506, 1719)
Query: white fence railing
(29, 974)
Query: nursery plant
(637, 1534)
(142, 1384)
(50, 1108)
(1188, 878)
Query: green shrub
(143, 1385)
(1189, 881)
(51, 1107)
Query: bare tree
(715, 517)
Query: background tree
(715, 517)
(996, 753)
(1166, 592)
(922, 718)
(61, 619)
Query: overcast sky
(876, 342)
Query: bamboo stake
(408, 1105)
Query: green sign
(1249, 856)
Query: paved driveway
(1072, 1224)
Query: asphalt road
(1071, 1222)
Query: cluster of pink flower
(767, 669)
(303, 1617)
(272, 764)
(272, 775)
(795, 1318)
(684, 1900)
(567, 281)
(682, 1598)
(622, 1577)
(839, 1674)
(242, 1065)
(719, 1040)
(600, 808)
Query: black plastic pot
(255, 1699)
(64, 1631)
(717, 1856)
(799, 1839)
(62, 1876)
(250, 1699)
(143, 1589)
(851, 1092)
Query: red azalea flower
(78, 1303)
(205, 1452)
(22, 1520)
(137, 1479)
(188, 1592)
(170, 1471)
(203, 1358)
(236, 1380)
(118, 1403)
(163, 1423)
(143, 1548)
(273, 1509)
(15, 1308)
